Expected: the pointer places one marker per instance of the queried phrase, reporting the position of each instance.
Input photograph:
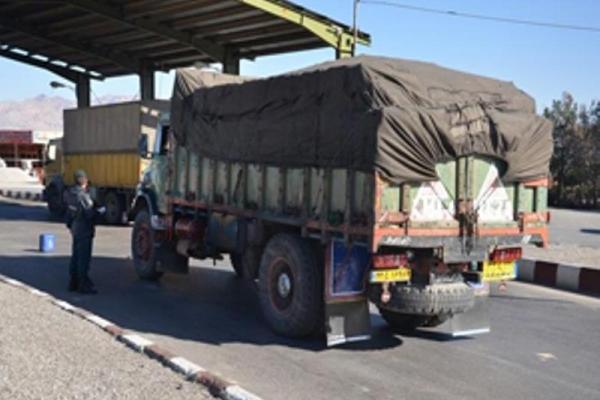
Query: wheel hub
(281, 285)
(284, 285)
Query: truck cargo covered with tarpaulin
(397, 117)
(399, 183)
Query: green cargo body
(346, 201)
(298, 194)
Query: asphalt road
(574, 239)
(545, 344)
(576, 227)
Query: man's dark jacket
(81, 213)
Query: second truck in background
(103, 141)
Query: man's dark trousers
(81, 256)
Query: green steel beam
(338, 37)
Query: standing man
(81, 220)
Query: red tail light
(506, 255)
(389, 261)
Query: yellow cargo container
(103, 141)
(114, 170)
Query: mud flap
(476, 321)
(347, 317)
(347, 322)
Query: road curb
(576, 278)
(216, 385)
(21, 195)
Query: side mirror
(143, 146)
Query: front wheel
(143, 248)
(290, 286)
(114, 208)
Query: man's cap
(79, 174)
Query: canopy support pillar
(82, 90)
(147, 84)
(231, 64)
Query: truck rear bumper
(457, 249)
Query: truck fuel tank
(187, 228)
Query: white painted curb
(237, 393)
(185, 366)
(136, 341)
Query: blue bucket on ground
(47, 242)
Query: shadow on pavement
(590, 231)
(208, 305)
(14, 211)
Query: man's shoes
(87, 290)
(86, 286)
(73, 285)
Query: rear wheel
(290, 286)
(114, 208)
(143, 248)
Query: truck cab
(154, 150)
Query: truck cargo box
(103, 140)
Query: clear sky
(542, 61)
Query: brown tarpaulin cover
(395, 116)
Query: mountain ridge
(43, 112)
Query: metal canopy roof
(109, 38)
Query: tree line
(575, 165)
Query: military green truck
(378, 180)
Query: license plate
(391, 275)
(498, 271)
